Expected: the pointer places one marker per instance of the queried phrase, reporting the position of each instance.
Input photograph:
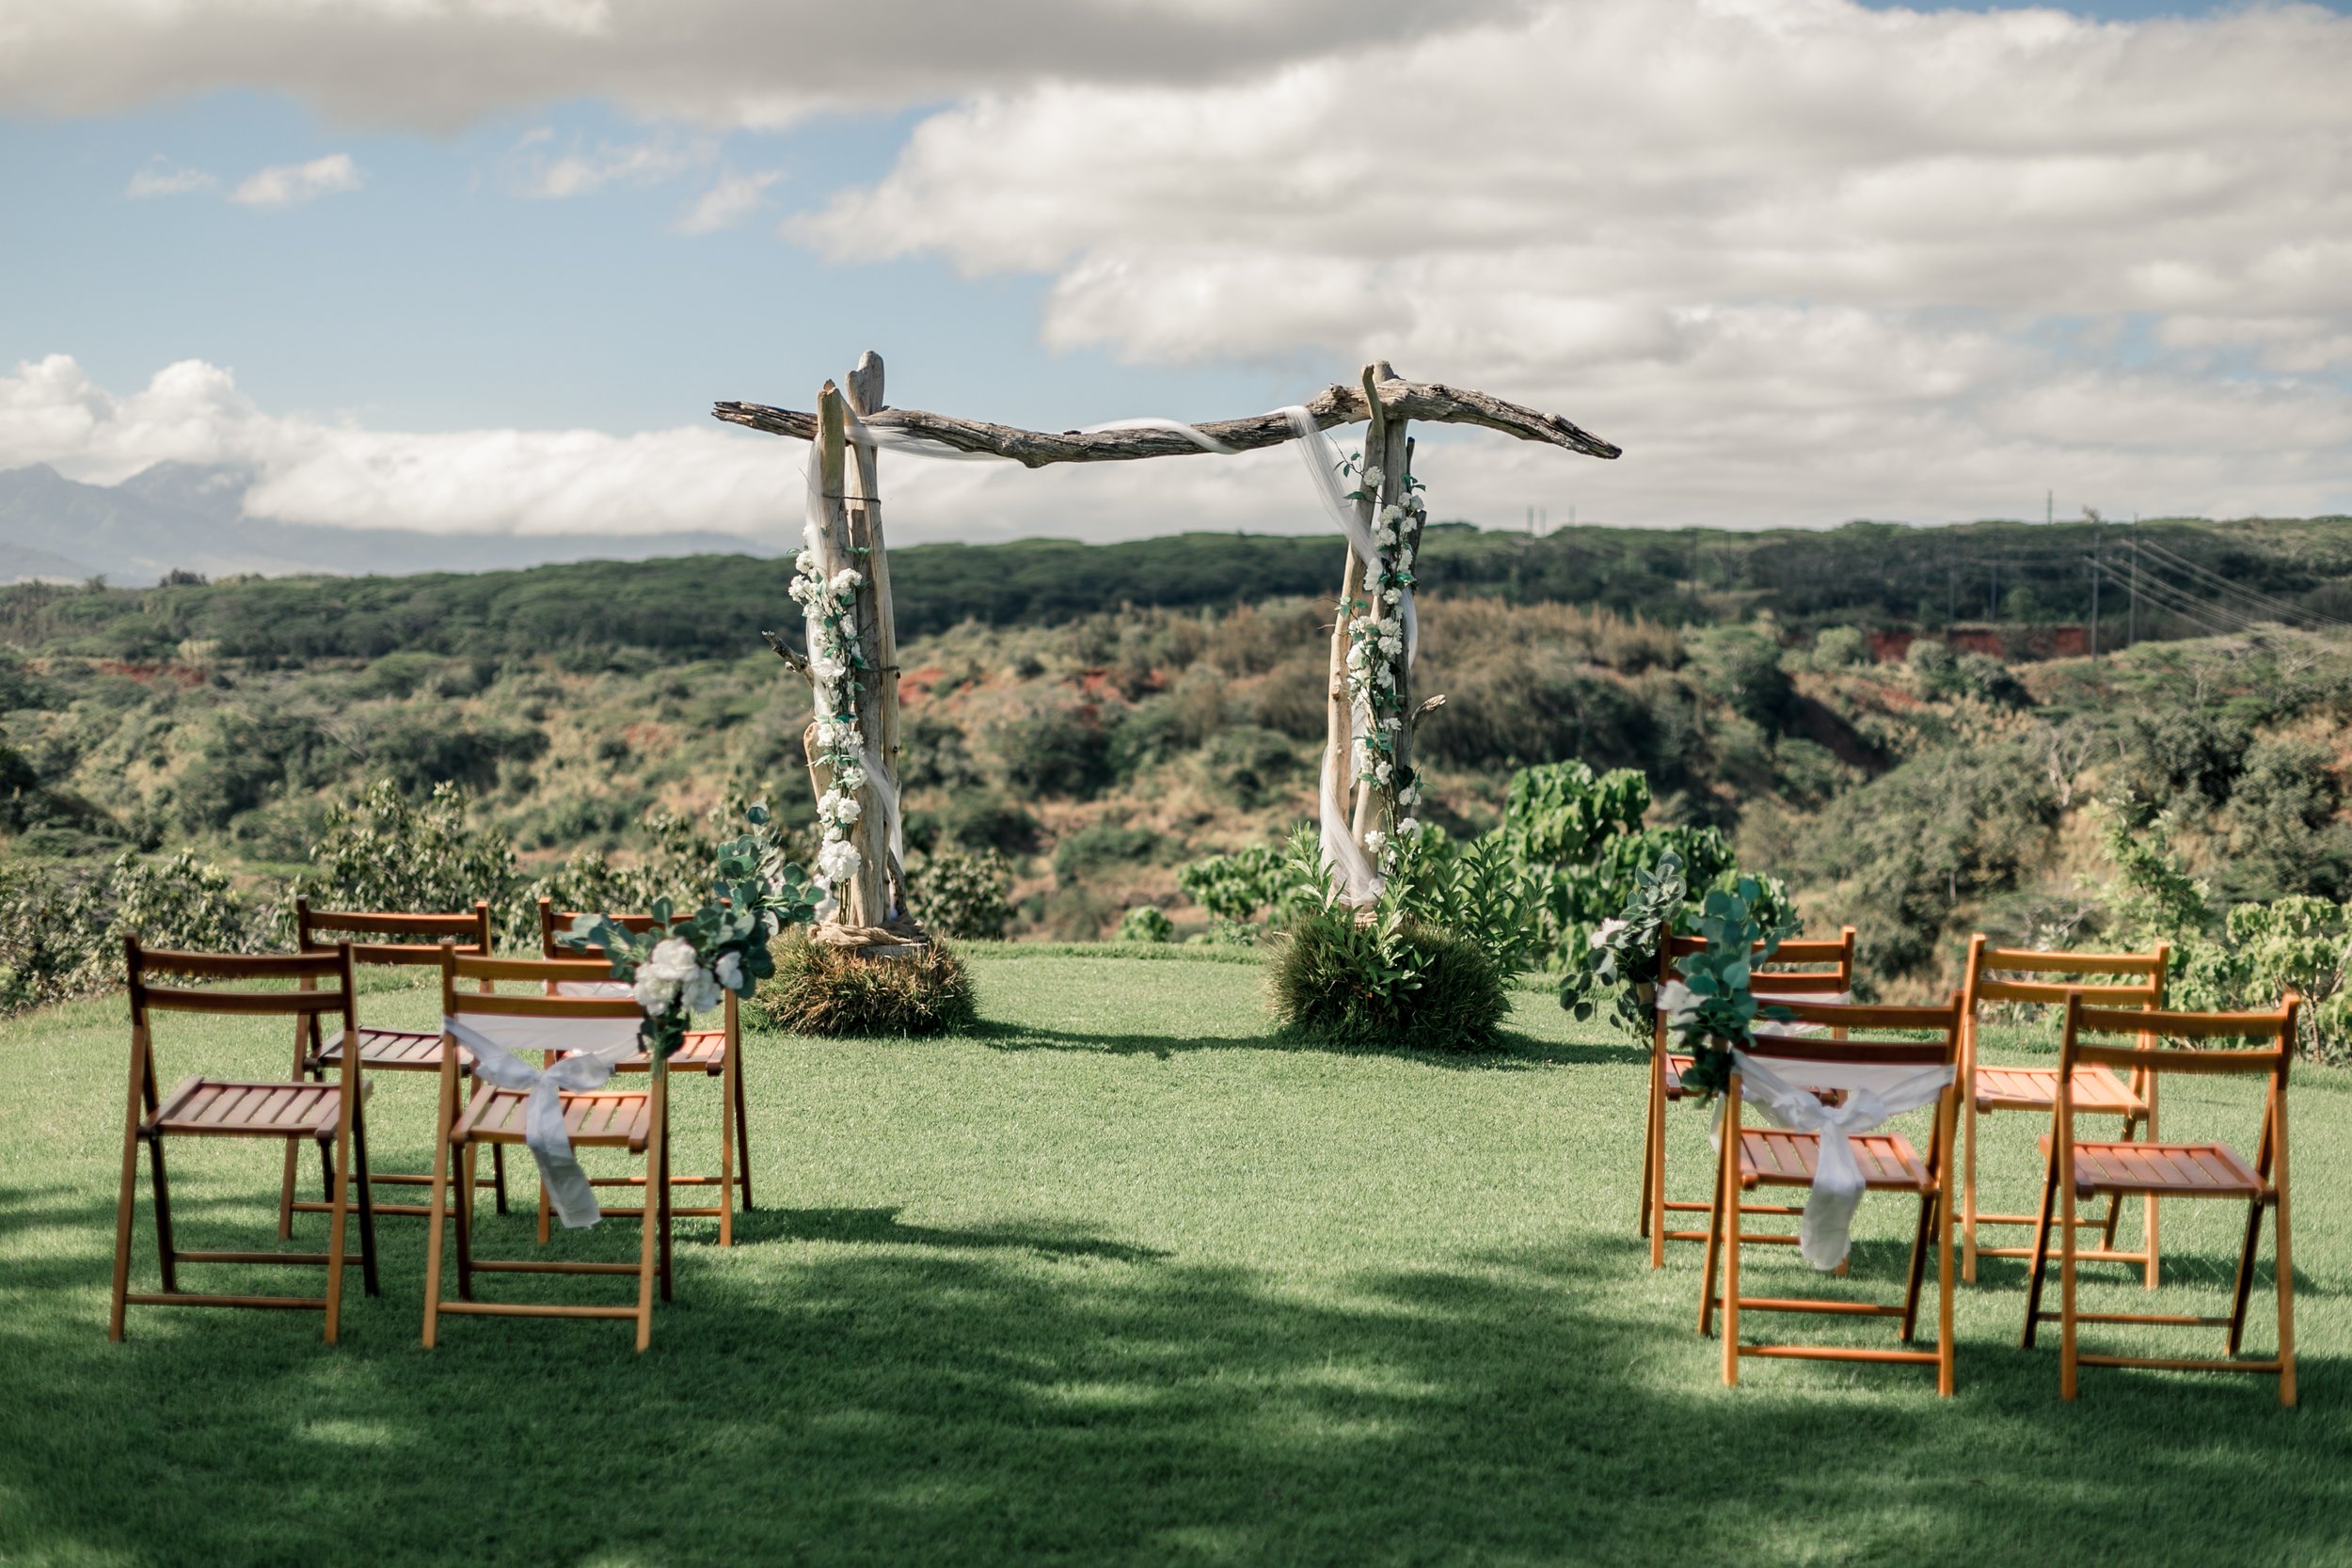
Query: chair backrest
(307, 970)
(2135, 980)
(1781, 976)
(1860, 1034)
(470, 931)
(2082, 1044)
(553, 923)
(483, 973)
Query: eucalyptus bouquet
(1621, 955)
(1711, 1010)
(683, 963)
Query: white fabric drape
(1783, 1091)
(883, 788)
(1335, 826)
(596, 1045)
(608, 990)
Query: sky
(482, 265)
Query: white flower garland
(1377, 647)
(834, 661)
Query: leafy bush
(956, 895)
(1056, 751)
(2196, 753)
(1739, 667)
(1583, 836)
(62, 939)
(992, 822)
(1839, 648)
(387, 851)
(1255, 766)
(838, 992)
(1382, 977)
(1146, 923)
(1100, 844)
(1234, 888)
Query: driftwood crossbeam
(1360, 804)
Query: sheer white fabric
(598, 1044)
(602, 989)
(1783, 1092)
(1357, 877)
(880, 786)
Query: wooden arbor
(1373, 497)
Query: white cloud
(161, 177)
(1799, 257)
(735, 198)
(289, 184)
(439, 64)
(583, 171)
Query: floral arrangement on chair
(1710, 1011)
(685, 963)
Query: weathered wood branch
(1399, 399)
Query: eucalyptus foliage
(1709, 1010)
(1623, 953)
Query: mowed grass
(1121, 1280)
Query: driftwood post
(874, 895)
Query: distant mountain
(191, 517)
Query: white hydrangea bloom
(728, 972)
(847, 581)
(655, 993)
(837, 861)
(700, 991)
(1382, 771)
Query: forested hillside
(1097, 749)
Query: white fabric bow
(1872, 1095)
(596, 1045)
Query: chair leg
(1968, 1185)
(1657, 1168)
(743, 1135)
(663, 1189)
(2148, 1212)
(546, 1213)
(338, 1231)
(648, 1225)
(123, 1214)
(1947, 1353)
(166, 1249)
(497, 1175)
(286, 1190)
(1714, 1248)
(463, 1156)
(1649, 1147)
(1730, 1205)
(1918, 1267)
(2068, 1347)
(2244, 1287)
(443, 1158)
(366, 1200)
(2040, 1256)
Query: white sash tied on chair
(1873, 1094)
(604, 989)
(595, 1046)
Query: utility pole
(2131, 617)
(2049, 507)
(2094, 596)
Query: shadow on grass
(885, 1392)
(1515, 1051)
(883, 1228)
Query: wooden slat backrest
(306, 969)
(466, 967)
(2275, 1029)
(1836, 952)
(553, 923)
(1942, 1023)
(470, 930)
(1999, 974)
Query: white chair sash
(596, 1045)
(605, 989)
(1783, 1091)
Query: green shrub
(956, 895)
(838, 992)
(387, 851)
(1254, 766)
(1146, 923)
(1056, 751)
(62, 937)
(1839, 648)
(992, 822)
(1398, 983)
(1100, 846)
(1234, 888)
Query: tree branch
(1335, 404)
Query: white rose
(674, 956)
(847, 579)
(728, 972)
(655, 993)
(1408, 827)
(1608, 928)
(1390, 516)
(837, 861)
(1371, 477)
(1409, 796)
(1382, 772)
(700, 991)
(1376, 841)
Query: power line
(2280, 609)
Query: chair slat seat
(2185, 1170)
(212, 1107)
(395, 1050)
(2097, 1091)
(1773, 1158)
(704, 1051)
(622, 1121)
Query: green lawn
(1121, 1280)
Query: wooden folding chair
(1750, 1157)
(329, 1114)
(714, 1052)
(2078, 1170)
(633, 1120)
(1797, 970)
(1995, 976)
(383, 1050)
